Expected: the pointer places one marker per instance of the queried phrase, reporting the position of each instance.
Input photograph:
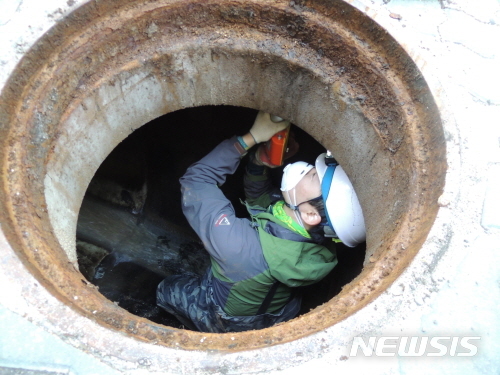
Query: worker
(257, 263)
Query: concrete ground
(451, 289)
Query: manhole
(111, 67)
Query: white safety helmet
(342, 207)
(293, 173)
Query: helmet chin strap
(295, 208)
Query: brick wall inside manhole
(110, 68)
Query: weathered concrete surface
(450, 289)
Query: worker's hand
(263, 128)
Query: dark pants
(190, 299)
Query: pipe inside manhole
(112, 67)
(131, 232)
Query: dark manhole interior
(131, 232)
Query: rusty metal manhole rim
(26, 224)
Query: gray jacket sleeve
(231, 241)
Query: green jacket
(248, 255)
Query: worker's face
(308, 187)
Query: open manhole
(131, 231)
(109, 68)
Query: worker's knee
(177, 291)
(161, 293)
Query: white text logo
(415, 346)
